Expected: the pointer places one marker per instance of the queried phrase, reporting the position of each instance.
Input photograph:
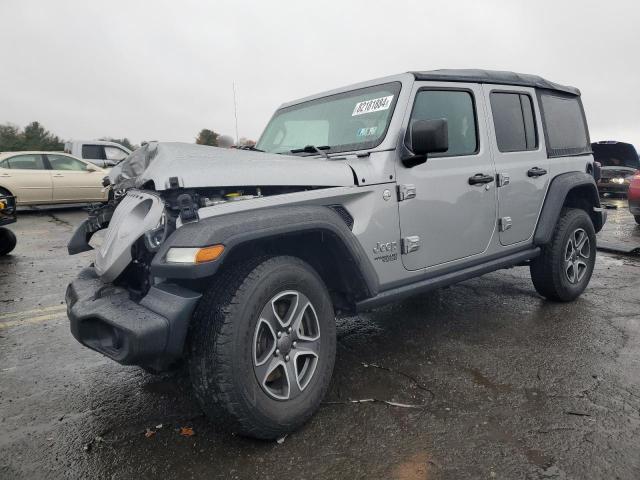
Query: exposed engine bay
(139, 221)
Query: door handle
(58, 175)
(5, 175)
(536, 172)
(480, 179)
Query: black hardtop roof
(493, 76)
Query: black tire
(221, 349)
(7, 241)
(551, 277)
(637, 217)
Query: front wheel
(7, 241)
(262, 346)
(564, 268)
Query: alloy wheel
(286, 345)
(577, 254)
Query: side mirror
(91, 168)
(427, 136)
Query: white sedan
(40, 178)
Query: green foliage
(10, 138)
(207, 137)
(125, 142)
(33, 137)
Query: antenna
(235, 112)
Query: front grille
(344, 214)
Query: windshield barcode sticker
(373, 105)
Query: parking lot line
(39, 319)
(30, 312)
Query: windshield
(354, 120)
(617, 154)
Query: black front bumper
(611, 187)
(151, 332)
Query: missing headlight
(156, 237)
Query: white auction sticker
(373, 105)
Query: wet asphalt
(492, 381)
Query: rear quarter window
(93, 152)
(565, 125)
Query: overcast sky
(163, 70)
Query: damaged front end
(121, 306)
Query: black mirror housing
(427, 136)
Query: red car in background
(634, 196)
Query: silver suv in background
(100, 152)
(240, 260)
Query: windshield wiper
(250, 147)
(313, 149)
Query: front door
(521, 161)
(453, 213)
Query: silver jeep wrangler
(239, 260)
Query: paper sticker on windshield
(366, 132)
(373, 105)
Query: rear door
(453, 213)
(72, 181)
(520, 158)
(27, 177)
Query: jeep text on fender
(239, 260)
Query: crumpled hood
(204, 166)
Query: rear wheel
(564, 268)
(7, 241)
(262, 347)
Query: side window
(565, 125)
(62, 162)
(114, 153)
(456, 106)
(514, 122)
(93, 152)
(25, 162)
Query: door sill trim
(443, 280)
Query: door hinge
(503, 179)
(406, 191)
(505, 224)
(410, 244)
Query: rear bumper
(151, 332)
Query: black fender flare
(559, 189)
(235, 229)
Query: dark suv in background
(619, 162)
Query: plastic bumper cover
(151, 332)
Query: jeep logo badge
(387, 247)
